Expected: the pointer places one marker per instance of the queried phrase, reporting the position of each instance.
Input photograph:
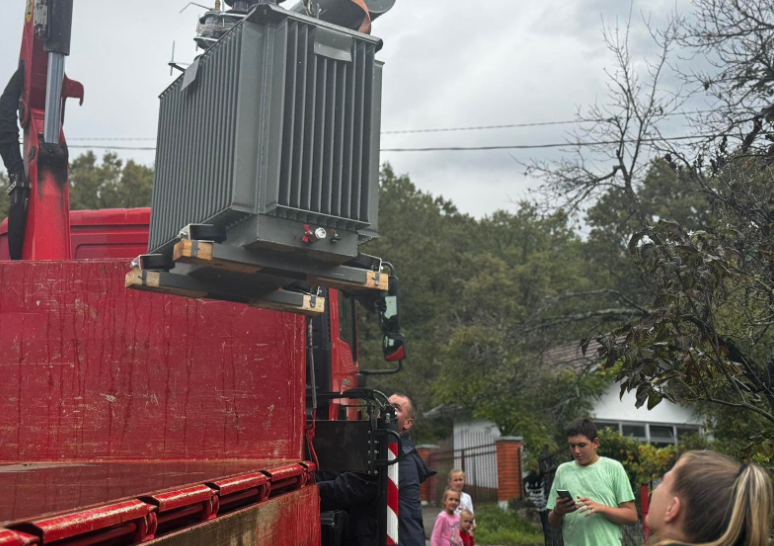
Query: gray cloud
(447, 64)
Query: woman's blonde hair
(725, 504)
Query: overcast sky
(449, 63)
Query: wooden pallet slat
(372, 283)
(201, 253)
(308, 306)
(150, 281)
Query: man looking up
(412, 472)
(601, 497)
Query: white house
(662, 425)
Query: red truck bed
(127, 415)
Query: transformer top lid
(272, 14)
(252, 3)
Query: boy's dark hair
(582, 426)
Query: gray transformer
(273, 133)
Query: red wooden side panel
(90, 370)
(292, 519)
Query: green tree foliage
(643, 462)
(4, 202)
(697, 273)
(111, 184)
(494, 361)
(707, 337)
(663, 193)
(467, 288)
(425, 239)
(615, 289)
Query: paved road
(429, 513)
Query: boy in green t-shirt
(602, 498)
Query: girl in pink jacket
(446, 531)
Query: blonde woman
(711, 500)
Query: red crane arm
(39, 223)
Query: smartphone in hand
(564, 494)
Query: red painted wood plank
(93, 371)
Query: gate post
(427, 453)
(508, 469)
(645, 503)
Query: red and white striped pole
(392, 495)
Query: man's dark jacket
(413, 471)
(355, 493)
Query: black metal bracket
(205, 233)
(398, 440)
(383, 417)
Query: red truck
(130, 416)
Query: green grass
(494, 527)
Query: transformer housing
(272, 132)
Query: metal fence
(477, 460)
(632, 535)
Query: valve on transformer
(312, 236)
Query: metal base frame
(260, 278)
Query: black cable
(474, 148)
(449, 129)
(541, 146)
(532, 124)
(98, 147)
(111, 138)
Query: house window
(636, 430)
(657, 434)
(662, 435)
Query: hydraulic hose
(19, 189)
(9, 127)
